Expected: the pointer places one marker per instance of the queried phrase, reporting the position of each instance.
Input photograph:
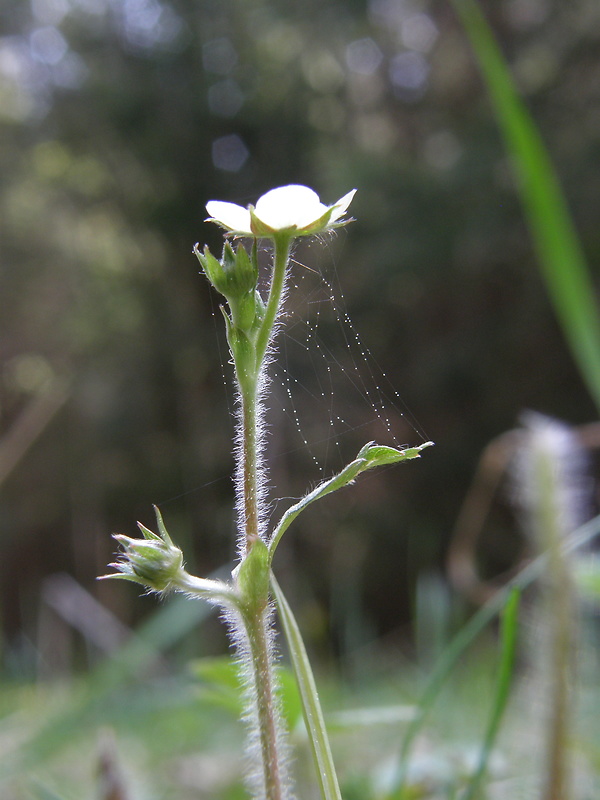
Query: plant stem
(559, 611)
(560, 602)
(281, 258)
(251, 478)
(258, 638)
(250, 469)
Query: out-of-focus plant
(560, 254)
(281, 216)
(549, 464)
(550, 481)
(550, 478)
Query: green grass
(179, 737)
(559, 251)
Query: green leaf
(311, 706)
(343, 478)
(558, 248)
(377, 455)
(42, 792)
(220, 682)
(370, 456)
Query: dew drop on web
(329, 394)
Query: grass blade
(507, 662)
(558, 248)
(311, 706)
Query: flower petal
(291, 206)
(230, 216)
(340, 208)
(294, 209)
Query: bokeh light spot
(419, 32)
(48, 45)
(363, 56)
(229, 153)
(409, 73)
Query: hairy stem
(281, 258)
(266, 704)
(251, 468)
(251, 474)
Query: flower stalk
(250, 466)
(282, 245)
(249, 363)
(258, 612)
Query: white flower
(293, 209)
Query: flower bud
(235, 277)
(153, 561)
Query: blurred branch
(490, 472)
(84, 613)
(30, 424)
(461, 560)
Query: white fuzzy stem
(251, 629)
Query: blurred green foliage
(118, 121)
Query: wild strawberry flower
(296, 210)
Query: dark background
(118, 121)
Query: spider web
(328, 394)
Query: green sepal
(260, 308)
(228, 322)
(253, 576)
(147, 533)
(211, 267)
(121, 576)
(161, 526)
(153, 561)
(235, 277)
(242, 272)
(260, 228)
